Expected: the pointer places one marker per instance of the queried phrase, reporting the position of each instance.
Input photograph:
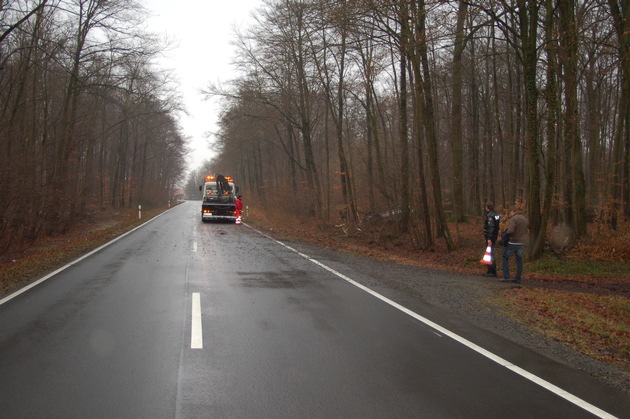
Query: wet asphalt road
(192, 320)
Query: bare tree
(60, 122)
(516, 101)
(457, 148)
(620, 188)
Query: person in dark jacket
(517, 229)
(491, 232)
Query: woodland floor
(580, 297)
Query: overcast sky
(202, 31)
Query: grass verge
(594, 324)
(576, 267)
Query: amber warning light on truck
(211, 178)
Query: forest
(338, 110)
(429, 109)
(88, 121)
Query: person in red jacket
(239, 207)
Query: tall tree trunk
(595, 169)
(489, 138)
(457, 145)
(477, 174)
(528, 16)
(429, 122)
(304, 109)
(346, 184)
(551, 96)
(422, 178)
(621, 148)
(404, 128)
(497, 111)
(369, 119)
(576, 216)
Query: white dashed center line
(196, 335)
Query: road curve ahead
(187, 319)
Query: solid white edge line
(50, 275)
(501, 361)
(196, 333)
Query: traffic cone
(487, 258)
(238, 220)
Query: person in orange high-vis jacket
(239, 206)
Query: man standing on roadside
(517, 229)
(490, 232)
(239, 207)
